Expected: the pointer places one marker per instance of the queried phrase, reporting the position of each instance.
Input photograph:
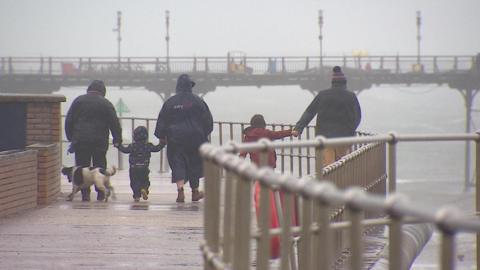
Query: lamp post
(419, 23)
(119, 35)
(167, 37)
(320, 37)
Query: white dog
(83, 177)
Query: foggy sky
(258, 27)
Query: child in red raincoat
(256, 131)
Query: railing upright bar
(305, 246)
(395, 244)
(231, 131)
(282, 154)
(286, 248)
(263, 246)
(209, 167)
(392, 167)
(242, 236)
(447, 251)
(477, 195)
(356, 231)
(309, 169)
(325, 242)
(220, 133)
(229, 197)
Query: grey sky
(258, 27)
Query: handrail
(318, 198)
(325, 191)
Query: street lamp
(419, 22)
(119, 35)
(320, 37)
(167, 37)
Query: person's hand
(295, 133)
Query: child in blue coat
(140, 152)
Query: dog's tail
(111, 171)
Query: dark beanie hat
(338, 77)
(257, 121)
(98, 87)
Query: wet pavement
(120, 234)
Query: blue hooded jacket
(185, 118)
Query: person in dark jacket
(139, 159)
(87, 125)
(184, 123)
(338, 114)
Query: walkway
(158, 233)
(120, 234)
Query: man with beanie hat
(87, 125)
(338, 114)
(184, 123)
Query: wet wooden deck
(120, 234)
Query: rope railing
(230, 247)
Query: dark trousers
(186, 164)
(139, 179)
(88, 155)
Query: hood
(140, 134)
(184, 83)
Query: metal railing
(229, 227)
(296, 161)
(87, 66)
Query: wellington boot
(144, 193)
(196, 195)
(181, 196)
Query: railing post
(356, 229)
(120, 160)
(89, 64)
(435, 65)
(228, 218)
(397, 64)
(206, 65)
(41, 65)
(49, 65)
(10, 66)
(263, 246)
(477, 194)
(381, 62)
(392, 164)
(306, 63)
(194, 64)
(344, 61)
(242, 236)
(447, 253)
(2, 70)
(455, 63)
(220, 133)
(286, 242)
(395, 238)
(324, 239)
(80, 64)
(283, 65)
